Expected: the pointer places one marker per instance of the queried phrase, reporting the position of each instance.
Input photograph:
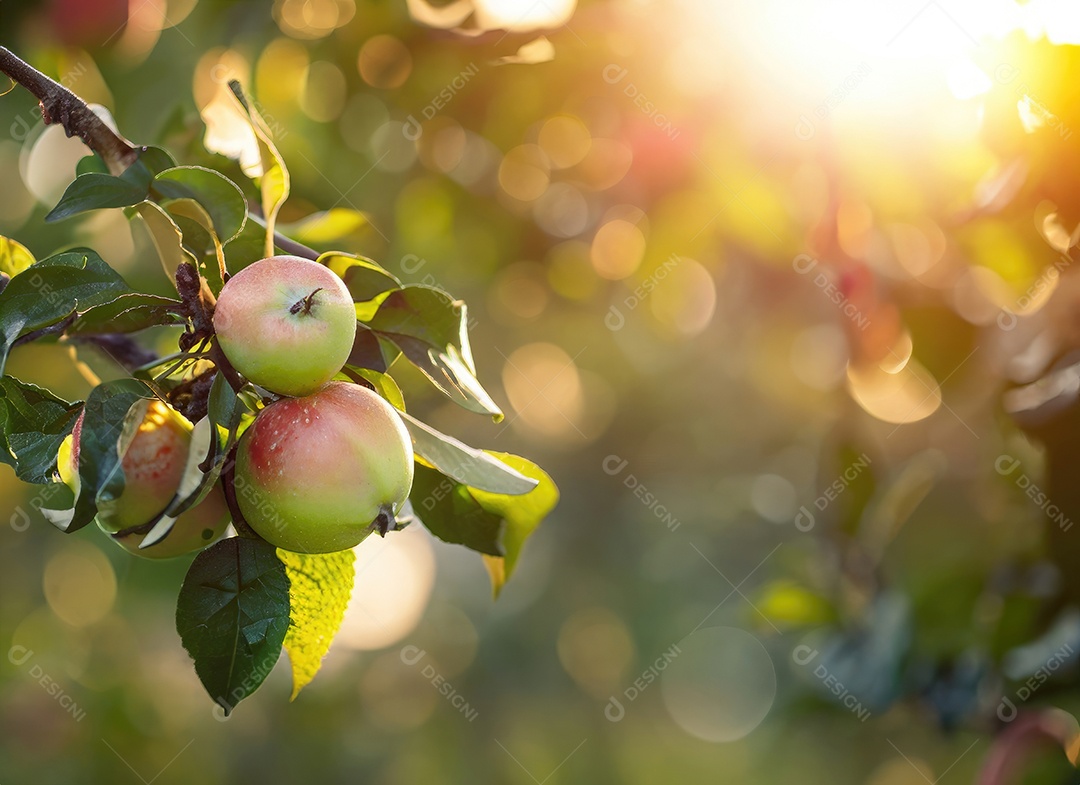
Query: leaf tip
(496, 567)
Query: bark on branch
(60, 105)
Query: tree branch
(60, 105)
(287, 244)
(52, 329)
(121, 348)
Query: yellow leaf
(329, 226)
(785, 603)
(14, 258)
(274, 184)
(522, 514)
(319, 589)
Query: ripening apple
(318, 474)
(286, 323)
(194, 530)
(153, 467)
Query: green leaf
(274, 184)
(225, 412)
(248, 247)
(194, 486)
(431, 330)
(91, 163)
(383, 384)
(328, 226)
(451, 513)
(463, 463)
(365, 279)
(166, 236)
(211, 441)
(496, 525)
(522, 515)
(14, 257)
(52, 290)
(320, 586)
(370, 352)
(152, 160)
(128, 313)
(200, 239)
(232, 615)
(195, 227)
(33, 422)
(112, 414)
(219, 196)
(94, 190)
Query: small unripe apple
(286, 323)
(153, 466)
(318, 474)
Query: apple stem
(228, 485)
(305, 305)
(222, 362)
(385, 520)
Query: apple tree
(278, 412)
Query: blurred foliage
(791, 324)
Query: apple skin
(153, 467)
(287, 324)
(195, 529)
(318, 474)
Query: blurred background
(780, 294)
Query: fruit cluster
(319, 468)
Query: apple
(318, 474)
(153, 466)
(286, 323)
(196, 528)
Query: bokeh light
(79, 584)
(312, 19)
(721, 685)
(384, 62)
(523, 14)
(596, 650)
(394, 580)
